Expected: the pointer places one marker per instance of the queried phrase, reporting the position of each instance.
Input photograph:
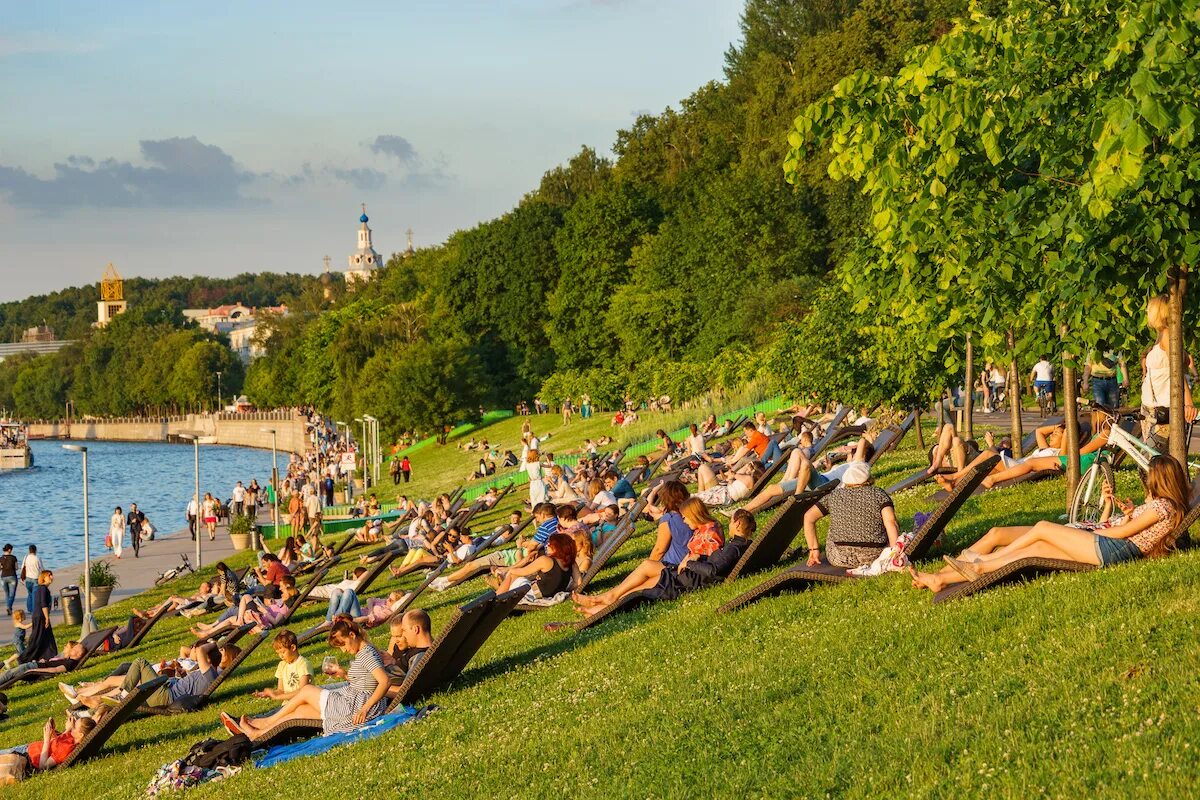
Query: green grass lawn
(1071, 686)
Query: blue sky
(223, 137)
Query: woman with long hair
(548, 574)
(537, 484)
(116, 531)
(670, 551)
(340, 709)
(1146, 531)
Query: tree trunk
(1178, 362)
(920, 433)
(1071, 413)
(1014, 394)
(968, 431)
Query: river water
(44, 505)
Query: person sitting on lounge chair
(684, 535)
(341, 708)
(703, 571)
(410, 639)
(1145, 531)
(374, 612)
(110, 691)
(800, 475)
(251, 609)
(65, 661)
(862, 521)
(546, 575)
(52, 749)
(293, 672)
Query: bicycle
(1088, 503)
(1046, 405)
(174, 572)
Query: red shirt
(758, 443)
(706, 540)
(60, 747)
(275, 571)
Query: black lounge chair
(1017, 571)
(1029, 568)
(92, 643)
(456, 644)
(778, 533)
(804, 576)
(137, 638)
(187, 705)
(94, 741)
(831, 430)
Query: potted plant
(241, 530)
(103, 580)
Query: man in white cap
(862, 521)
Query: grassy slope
(1074, 685)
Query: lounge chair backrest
(136, 639)
(831, 430)
(92, 644)
(927, 534)
(778, 533)
(499, 610)
(383, 563)
(433, 670)
(884, 442)
(250, 647)
(625, 529)
(115, 718)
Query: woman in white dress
(116, 532)
(537, 485)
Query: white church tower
(364, 261)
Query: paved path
(134, 574)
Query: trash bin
(72, 605)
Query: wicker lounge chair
(92, 643)
(94, 742)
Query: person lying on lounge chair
(65, 661)
(205, 594)
(374, 612)
(112, 689)
(341, 708)
(251, 609)
(862, 521)
(1145, 531)
(52, 749)
(499, 561)
(661, 574)
(729, 486)
(801, 476)
(1052, 440)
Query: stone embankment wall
(243, 430)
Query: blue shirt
(681, 534)
(623, 490)
(194, 683)
(545, 531)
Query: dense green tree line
(144, 362)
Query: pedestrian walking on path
(137, 521)
(116, 531)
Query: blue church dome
(363, 218)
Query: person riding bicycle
(1042, 376)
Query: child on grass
(21, 624)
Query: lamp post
(218, 391)
(89, 623)
(274, 484)
(374, 440)
(363, 448)
(349, 480)
(195, 440)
